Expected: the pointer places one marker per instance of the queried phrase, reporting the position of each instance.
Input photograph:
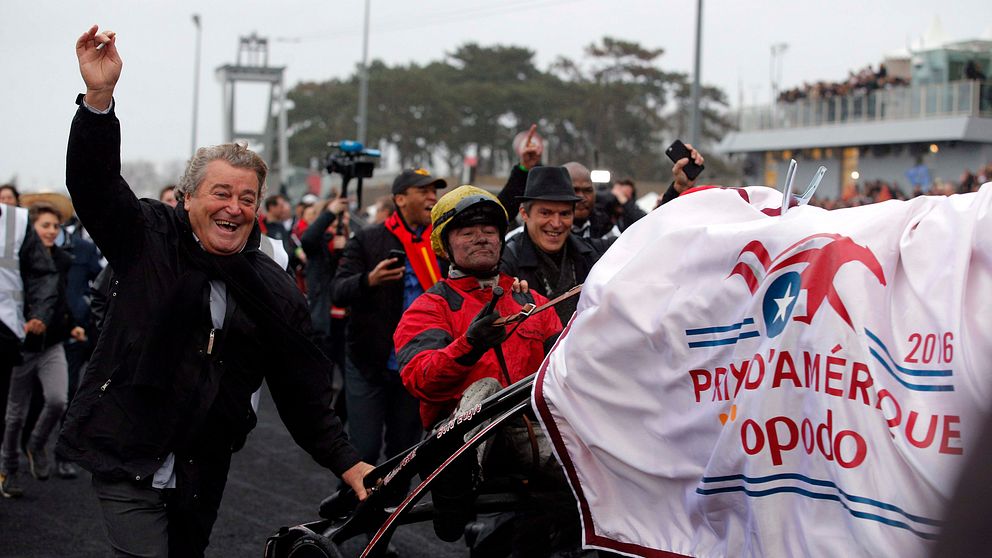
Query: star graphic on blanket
(783, 303)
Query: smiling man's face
(415, 204)
(223, 207)
(549, 223)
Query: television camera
(350, 159)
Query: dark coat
(600, 223)
(520, 260)
(124, 419)
(321, 265)
(85, 268)
(375, 311)
(58, 327)
(41, 283)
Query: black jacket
(509, 196)
(85, 268)
(131, 411)
(375, 311)
(41, 283)
(520, 259)
(58, 327)
(321, 265)
(599, 221)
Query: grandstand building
(928, 115)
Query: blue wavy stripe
(728, 341)
(907, 385)
(828, 484)
(719, 329)
(818, 496)
(904, 370)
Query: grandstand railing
(957, 98)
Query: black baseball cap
(412, 178)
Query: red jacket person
(443, 346)
(442, 340)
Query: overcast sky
(320, 40)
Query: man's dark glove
(482, 336)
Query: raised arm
(105, 203)
(531, 152)
(100, 65)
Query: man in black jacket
(378, 287)
(548, 254)
(198, 318)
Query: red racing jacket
(431, 335)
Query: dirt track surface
(272, 483)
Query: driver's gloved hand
(482, 336)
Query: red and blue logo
(809, 265)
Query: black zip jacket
(62, 322)
(520, 260)
(375, 311)
(131, 411)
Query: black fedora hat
(549, 184)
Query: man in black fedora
(547, 255)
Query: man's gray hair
(235, 154)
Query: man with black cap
(384, 268)
(549, 257)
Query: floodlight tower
(253, 67)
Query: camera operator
(384, 268)
(323, 243)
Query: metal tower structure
(253, 67)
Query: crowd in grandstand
(862, 82)
(873, 191)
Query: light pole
(363, 84)
(196, 84)
(778, 52)
(695, 124)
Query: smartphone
(678, 151)
(400, 256)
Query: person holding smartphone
(383, 269)
(687, 160)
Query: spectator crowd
(861, 82)
(380, 321)
(873, 191)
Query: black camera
(350, 159)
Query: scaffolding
(253, 67)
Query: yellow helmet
(465, 205)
